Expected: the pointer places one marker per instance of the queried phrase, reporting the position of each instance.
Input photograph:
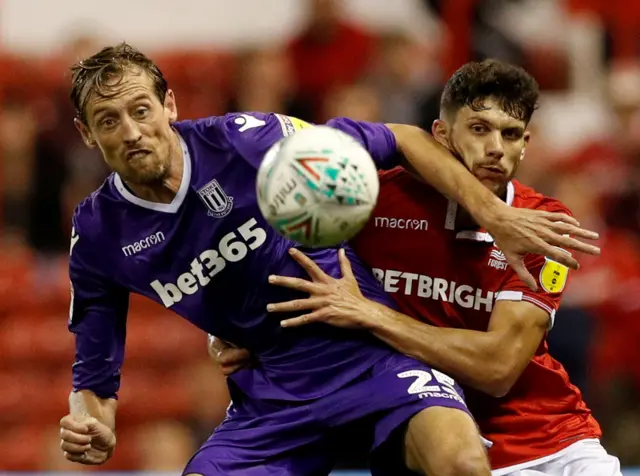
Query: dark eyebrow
(517, 127)
(138, 97)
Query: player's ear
(527, 137)
(87, 137)
(170, 106)
(439, 130)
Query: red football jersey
(452, 278)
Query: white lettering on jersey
(438, 289)
(143, 244)
(232, 248)
(248, 122)
(497, 260)
(74, 239)
(401, 223)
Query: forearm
(440, 169)
(85, 402)
(471, 357)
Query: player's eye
(479, 129)
(107, 123)
(512, 134)
(141, 112)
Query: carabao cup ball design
(317, 187)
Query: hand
(227, 356)
(337, 302)
(86, 440)
(518, 231)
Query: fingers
(560, 217)
(563, 257)
(93, 457)
(302, 320)
(73, 448)
(312, 269)
(232, 357)
(517, 263)
(216, 345)
(295, 283)
(76, 458)
(575, 231)
(570, 243)
(75, 438)
(232, 360)
(298, 305)
(74, 424)
(74, 443)
(345, 264)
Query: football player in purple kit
(178, 222)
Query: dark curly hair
(511, 86)
(97, 73)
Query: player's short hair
(96, 74)
(516, 91)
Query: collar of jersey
(473, 235)
(177, 200)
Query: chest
(180, 256)
(435, 273)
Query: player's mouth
(490, 172)
(137, 154)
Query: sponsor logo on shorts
(424, 387)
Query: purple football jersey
(207, 255)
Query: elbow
(500, 381)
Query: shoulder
(88, 214)
(241, 124)
(527, 197)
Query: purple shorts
(259, 438)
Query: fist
(85, 440)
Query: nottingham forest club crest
(215, 199)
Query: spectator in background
(360, 101)
(408, 78)
(17, 146)
(264, 82)
(328, 53)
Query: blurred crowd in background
(585, 150)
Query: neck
(165, 190)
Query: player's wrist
(377, 318)
(489, 211)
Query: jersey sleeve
(551, 278)
(97, 318)
(253, 134)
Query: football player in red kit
(461, 308)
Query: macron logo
(143, 244)
(401, 223)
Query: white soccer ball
(317, 187)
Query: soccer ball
(317, 186)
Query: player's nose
(494, 147)
(131, 133)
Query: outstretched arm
(517, 231)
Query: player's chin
(148, 173)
